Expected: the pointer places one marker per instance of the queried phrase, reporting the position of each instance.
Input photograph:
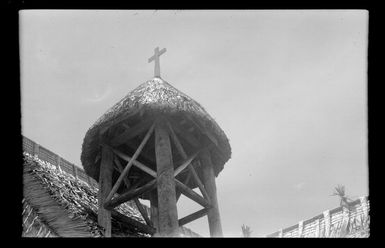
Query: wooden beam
(154, 209)
(189, 218)
(129, 195)
(142, 211)
(191, 194)
(136, 200)
(213, 215)
(178, 192)
(131, 133)
(133, 223)
(200, 184)
(105, 183)
(128, 166)
(185, 164)
(182, 152)
(167, 210)
(136, 163)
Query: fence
(62, 164)
(329, 223)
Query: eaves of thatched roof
(150, 99)
(57, 205)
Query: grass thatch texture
(33, 225)
(50, 211)
(69, 206)
(154, 97)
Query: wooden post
(36, 149)
(105, 185)
(317, 228)
(300, 228)
(280, 233)
(154, 209)
(74, 171)
(327, 221)
(58, 162)
(213, 216)
(167, 209)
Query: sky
(288, 87)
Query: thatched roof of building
(55, 204)
(141, 106)
(62, 206)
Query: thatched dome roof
(142, 105)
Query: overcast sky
(287, 87)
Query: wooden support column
(213, 216)
(167, 209)
(105, 185)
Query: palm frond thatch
(67, 207)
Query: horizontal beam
(129, 195)
(189, 218)
(135, 163)
(191, 194)
(131, 222)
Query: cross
(156, 58)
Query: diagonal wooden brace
(191, 217)
(136, 200)
(125, 171)
(129, 195)
(191, 194)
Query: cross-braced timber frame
(164, 189)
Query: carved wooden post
(327, 223)
(213, 216)
(105, 185)
(167, 210)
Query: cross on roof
(156, 58)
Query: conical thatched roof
(150, 99)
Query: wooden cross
(156, 58)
